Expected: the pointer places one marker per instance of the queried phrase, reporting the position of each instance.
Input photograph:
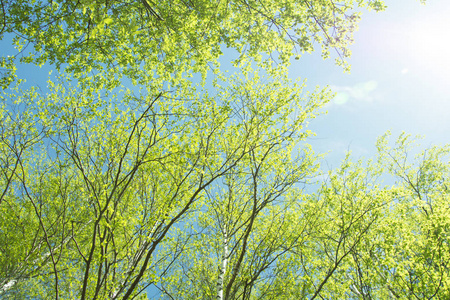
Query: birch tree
(111, 181)
(242, 227)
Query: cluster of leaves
(355, 238)
(127, 178)
(144, 40)
(95, 188)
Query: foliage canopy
(145, 170)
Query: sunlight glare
(429, 44)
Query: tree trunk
(223, 265)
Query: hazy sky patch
(359, 92)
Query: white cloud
(359, 92)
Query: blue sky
(399, 81)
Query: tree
(244, 211)
(414, 258)
(355, 238)
(154, 42)
(126, 175)
(106, 189)
(383, 240)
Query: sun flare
(428, 45)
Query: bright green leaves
(7, 71)
(125, 173)
(254, 135)
(121, 172)
(414, 257)
(135, 38)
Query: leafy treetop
(144, 40)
